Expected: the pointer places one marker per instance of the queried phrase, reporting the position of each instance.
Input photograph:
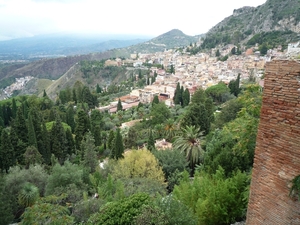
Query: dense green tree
(32, 156)
(215, 199)
(96, 120)
(82, 127)
(97, 135)
(121, 212)
(233, 51)
(70, 117)
(98, 89)
(189, 143)
(88, 147)
(14, 108)
(7, 155)
(6, 215)
(159, 113)
(131, 139)
(234, 86)
(68, 179)
(20, 126)
(155, 100)
(118, 147)
(219, 92)
(47, 211)
(263, 49)
(58, 141)
(119, 105)
(186, 98)
(218, 53)
(110, 140)
(171, 160)
(32, 141)
(46, 150)
(197, 116)
(150, 142)
(177, 95)
(89, 98)
(70, 145)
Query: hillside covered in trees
(67, 161)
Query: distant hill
(171, 39)
(51, 46)
(281, 18)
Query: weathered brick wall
(277, 153)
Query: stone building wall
(277, 153)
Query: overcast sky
(25, 18)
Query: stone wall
(277, 153)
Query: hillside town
(193, 71)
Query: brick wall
(277, 153)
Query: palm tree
(189, 142)
(28, 195)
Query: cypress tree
(44, 94)
(46, 149)
(155, 100)
(58, 140)
(89, 152)
(118, 146)
(82, 126)
(186, 97)
(111, 137)
(14, 108)
(97, 135)
(151, 142)
(7, 155)
(177, 94)
(181, 95)
(70, 118)
(31, 133)
(70, 145)
(119, 106)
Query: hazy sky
(21, 18)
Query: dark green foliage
(32, 156)
(58, 140)
(118, 147)
(234, 86)
(47, 211)
(177, 95)
(45, 142)
(151, 142)
(70, 117)
(155, 100)
(89, 98)
(120, 212)
(90, 159)
(7, 156)
(218, 53)
(32, 141)
(263, 49)
(228, 113)
(17, 177)
(219, 93)
(98, 89)
(215, 199)
(68, 179)
(119, 105)
(186, 98)
(82, 127)
(14, 108)
(70, 145)
(160, 113)
(110, 140)
(273, 39)
(6, 215)
(197, 115)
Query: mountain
(57, 45)
(172, 39)
(276, 17)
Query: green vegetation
(50, 154)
